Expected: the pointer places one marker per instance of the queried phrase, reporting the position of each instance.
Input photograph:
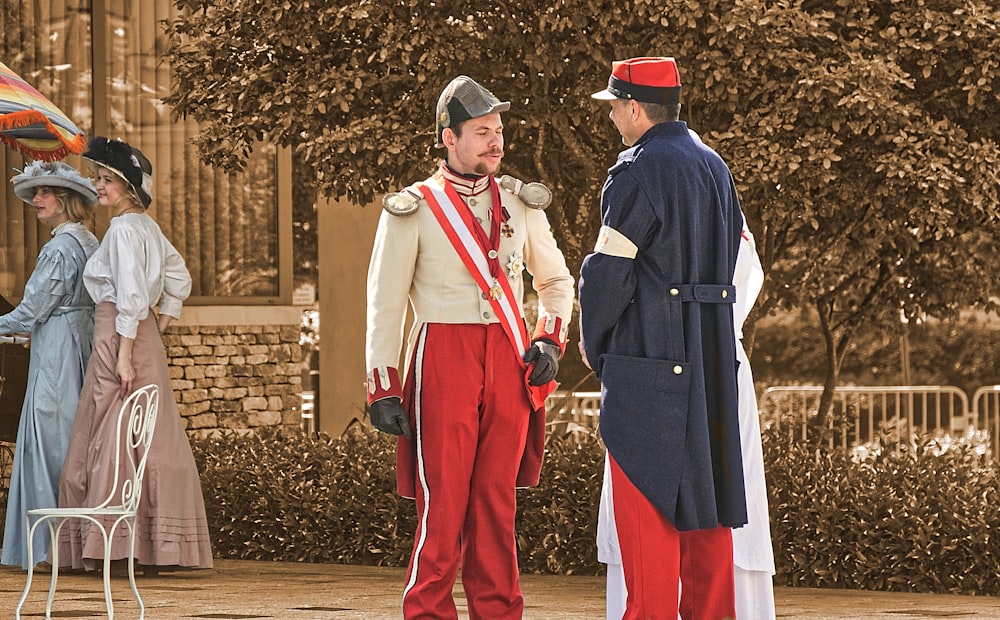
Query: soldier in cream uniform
(470, 414)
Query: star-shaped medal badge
(515, 265)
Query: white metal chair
(131, 449)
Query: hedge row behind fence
(278, 496)
(921, 520)
(912, 517)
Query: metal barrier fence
(986, 415)
(858, 413)
(308, 414)
(565, 408)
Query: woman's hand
(124, 367)
(163, 321)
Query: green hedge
(921, 520)
(278, 496)
(914, 517)
(557, 520)
(287, 497)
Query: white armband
(612, 243)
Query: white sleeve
(126, 259)
(748, 279)
(390, 275)
(176, 282)
(550, 277)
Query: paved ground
(250, 590)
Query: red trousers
(469, 413)
(656, 556)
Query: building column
(346, 234)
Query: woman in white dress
(59, 314)
(134, 269)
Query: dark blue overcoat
(658, 327)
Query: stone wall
(235, 377)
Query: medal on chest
(498, 217)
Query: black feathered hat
(125, 161)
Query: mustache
(492, 152)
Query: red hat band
(648, 79)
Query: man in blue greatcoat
(656, 322)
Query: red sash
(457, 223)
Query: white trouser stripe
(418, 361)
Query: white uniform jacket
(414, 262)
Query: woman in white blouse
(134, 269)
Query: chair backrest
(136, 422)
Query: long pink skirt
(172, 529)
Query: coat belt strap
(703, 293)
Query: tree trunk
(835, 350)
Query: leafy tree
(867, 150)
(862, 135)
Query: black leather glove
(545, 356)
(388, 416)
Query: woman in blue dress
(59, 314)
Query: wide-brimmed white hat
(52, 174)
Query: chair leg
(24, 594)
(107, 574)
(53, 536)
(54, 532)
(31, 571)
(131, 568)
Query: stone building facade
(235, 377)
